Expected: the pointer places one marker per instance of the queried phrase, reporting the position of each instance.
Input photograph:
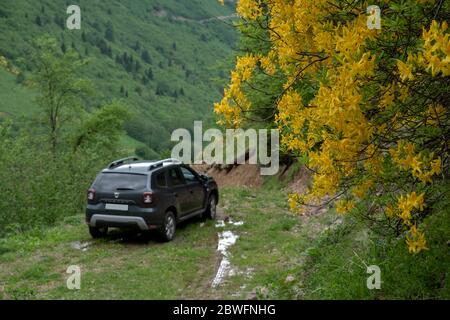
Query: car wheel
(211, 211)
(167, 231)
(98, 232)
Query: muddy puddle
(227, 239)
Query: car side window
(188, 175)
(176, 179)
(161, 180)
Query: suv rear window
(114, 181)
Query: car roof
(139, 167)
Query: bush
(40, 186)
(145, 152)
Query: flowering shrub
(368, 108)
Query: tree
(38, 21)
(137, 66)
(59, 21)
(163, 89)
(137, 46)
(103, 128)
(145, 80)
(138, 90)
(145, 152)
(109, 32)
(60, 89)
(20, 78)
(146, 57)
(104, 48)
(367, 110)
(150, 73)
(80, 142)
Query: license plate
(119, 207)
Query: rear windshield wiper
(122, 189)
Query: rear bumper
(104, 220)
(135, 217)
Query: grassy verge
(337, 262)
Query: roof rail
(119, 162)
(161, 163)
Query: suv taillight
(148, 198)
(91, 195)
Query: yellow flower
(405, 71)
(416, 240)
(436, 166)
(387, 99)
(361, 190)
(436, 57)
(390, 211)
(295, 202)
(267, 65)
(249, 9)
(416, 201)
(344, 206)
(416, 165)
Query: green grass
(131, 268)
(33, 265)
(277, 255)
(337, 263)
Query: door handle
(175, 194)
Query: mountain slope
(165, 59)
(15, 100)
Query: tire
(98, 232)
(211, 210)
(167, 231)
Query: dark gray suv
(148, 195)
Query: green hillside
(165, 59)
(15, 100)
